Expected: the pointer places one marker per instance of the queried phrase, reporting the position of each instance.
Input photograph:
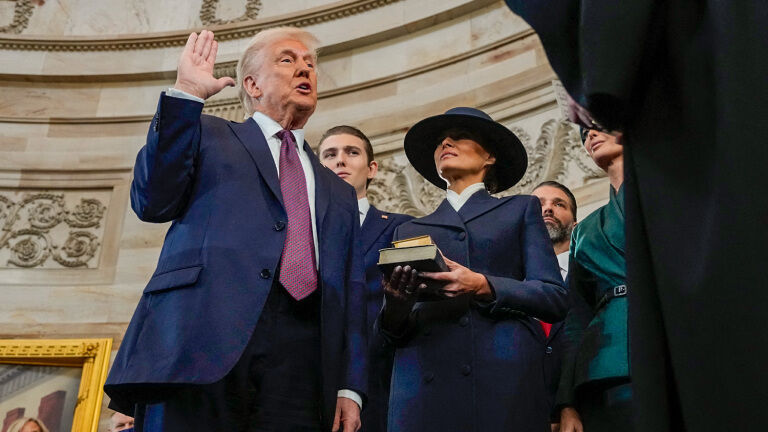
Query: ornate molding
(40, 227)
(229, 31)
(27, 349)
(230, 108)
(209, 7)
(22, 11)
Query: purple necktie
(297, 266)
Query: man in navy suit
(558, 208)
(263, 249)
(349, 153)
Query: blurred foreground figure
(685, 83)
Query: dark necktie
(297, 265)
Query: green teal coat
(596, 343)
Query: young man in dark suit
(349, 153)
(262, 249)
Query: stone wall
(80, 82)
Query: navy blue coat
(217, 181)
(377, 231)
(467, 366)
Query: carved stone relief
(22, 11)
(556, 154)
(51, 230)
(208, 12)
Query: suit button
(549, 350)
(428, 377)
(462, 235)
(265, 274)
(279, 225)
(466, 370)
(427, 332)
(464, 321)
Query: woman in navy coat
(473, 360)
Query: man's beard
(558, 232)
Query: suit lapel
(252, 138)
(373, 225)
(322, 189)
(477, 205)
(444, 215)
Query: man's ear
(490, 161)
(250, 87)
(373, 168)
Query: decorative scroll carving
(399, 188)
(39, 226)
(22, 11)
(209, 7)
(556, 154)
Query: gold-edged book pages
(424, 240)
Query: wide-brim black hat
(422, 139)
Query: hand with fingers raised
(461, 281)
(400, 293)
(195, 71)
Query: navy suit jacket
(463, 365)
(377, 231)
(217, 181)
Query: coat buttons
(464, 321)
(462, 235)
(265, 274)
(549, 350)
(466, 370)
(428, 377)
(279, 225)
(426, 332)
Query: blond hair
(18, 424)
(253, 57)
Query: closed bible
(422, 257)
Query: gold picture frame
(89, 355)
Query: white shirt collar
(270, 127)
(562, 260)
(363, 206)
(458, 200)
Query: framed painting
(52, 385)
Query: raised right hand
(195, 71)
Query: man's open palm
(195, 72)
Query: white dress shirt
(269, 128)
(457, 201)
(562, 260)
(363, 206)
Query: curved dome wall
(80, 82)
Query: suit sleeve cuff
(172, 92)
(350, 394)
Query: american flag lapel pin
(384, 217)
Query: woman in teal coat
(472, 361)
(595, 392)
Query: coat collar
(251, 136)
(373, 225)
(444, 215)
(253, 139)
(322, 187)
(478, 204)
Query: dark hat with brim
(422, 139)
